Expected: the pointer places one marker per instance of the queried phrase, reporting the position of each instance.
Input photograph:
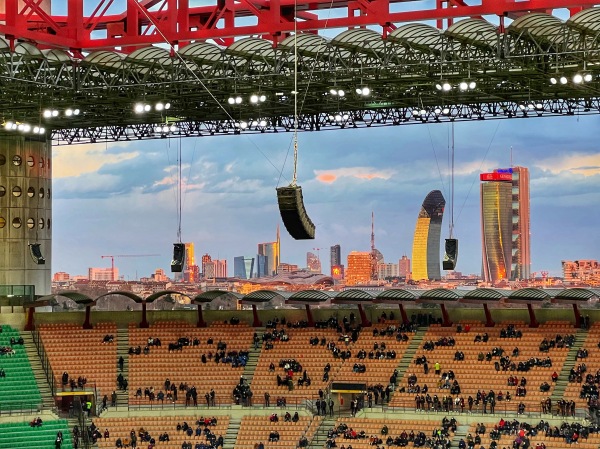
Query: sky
(120, 198)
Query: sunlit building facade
(358, 270)
(404, 267)
(272, 251)
(335, 257)
(505, 224)
(313, 263)
(426, 242)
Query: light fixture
(578, 78)
(159, 106)
(446, 86)
(364, 91)
(463, 86)
(243, 125)
(147, 108)
(472, 85)
(165, 129)
(254, 99)
(446, 111)
(26, 128)
(8, 125)
(437, 110)
(338, 118)
(173, 128)
(158, 129)
(587, 77)
(69, 112)
(341, 93)
(238, 100)
(138, 108)
(438, 86)
(563, 80)
(54, 113)
(263, 123)
(231, 100)
(553, 80)
(47, 113)
(333, 91)
(422, 112)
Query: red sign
(337, 272)
(495, 176)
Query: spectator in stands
(36, 422)
(119, 443)
(2, 372)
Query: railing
(37, 339)
(20, 408)
(503, 408)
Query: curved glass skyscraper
(426, 243)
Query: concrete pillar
(25, 210)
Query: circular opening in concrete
(41, 223)
(30, 223)
(30, 161)
(42, 193)
(16, 223)
(16, 191)
(17, 160)
(30, 192)
(2, 191)
(2, 222)
(2, 159)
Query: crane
(112, 260)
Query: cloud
(577, 163)
(364, 173)
(76, 160)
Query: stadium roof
(510, 70)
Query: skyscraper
(426, 243)
(359, 268)
(335, 255)
(505, 224)
(271, 251)
(189, 271)
(247, 267)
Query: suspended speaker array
(178, 257)
(293, 213)
(36, 253)
(451, 256)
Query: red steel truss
(146, 22)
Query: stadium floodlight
(438, 86)
(587, 77)
(263, 123)
(231, 100)
(138, 108)
(364, 91)
(158, 129)
(437, 110)
(254, 99)
(36, 130)
(333, 91)
(341, 93)
(165, 129)
(47, 113)
(173, 128)
(422, 112)
(26, 127)
(76, 111)
(446, 111)
(563, 80)
(238, 100)
(338, 118)
(159, 106)
(243, 125)
(578, 78)
(463, 86)
(8, 125)
(147, 108)
(69, 112)
(55, 113)
(167, 105)
(472, 85)
(553, 80)
(446, 86)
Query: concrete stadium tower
(25, 211)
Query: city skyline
(229, 203)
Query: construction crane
(112, 260)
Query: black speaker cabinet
(178, 257)
(451, 255)
(293, 213)
(36, 253)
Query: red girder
(271, 19)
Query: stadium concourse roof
(360, 296)
(538, 65)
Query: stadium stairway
(320, 437)
(123, 350)
(570, 362)
(253, 356)
(230, 436)
(409, 354)
(461, 432)
(38, 371)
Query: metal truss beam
(146, 22)
(344, 119)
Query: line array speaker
(451, 256)
(178, 257)
(293, 213)
(36, 253)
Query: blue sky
(121, 198)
